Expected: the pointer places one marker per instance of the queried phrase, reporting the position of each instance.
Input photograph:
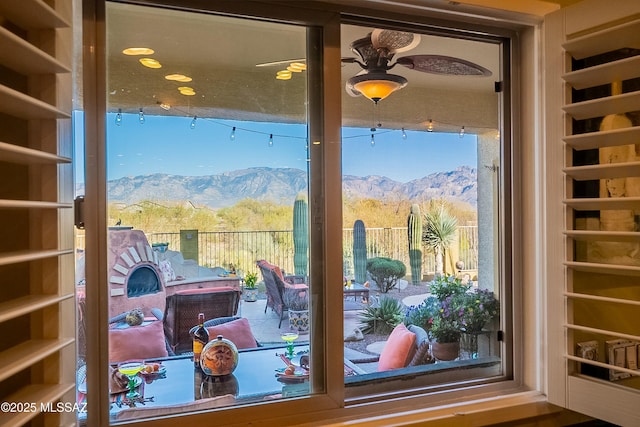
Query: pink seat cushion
(205, 290)
(296, 286)
(237, 331)
(137, 342)
(399, 349)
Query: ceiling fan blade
(445, 65)
(285, 61)
(394, 41)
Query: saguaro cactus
(300, 235)
(414, 229)
(359, 252)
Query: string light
(232, 136)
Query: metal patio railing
(243, 248)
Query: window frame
(326, 220)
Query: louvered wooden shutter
(597, 315)
(37, 314)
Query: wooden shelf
(623, 69)
(20, 306)
(18, 104)
(608, 138)
(26, 256)
(28, 353)
(33, 204)
(31, 60)
(603, 332)
(598, 204)
(32, 14)
(605, 171)
(36, 393)
(601, 107)
(603, 236)
(619, 37)
(28, 156)
(575, 295)
(591, 267)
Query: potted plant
(446, 328)
(446, 325)
(297, 302)
(250, 290)
(479, 307)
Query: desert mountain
(282, 185)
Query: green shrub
(386, 272)
(382, 318)
(444, 286)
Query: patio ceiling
(221, 56)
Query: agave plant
(382, 318)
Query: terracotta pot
(446, 350)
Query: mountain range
(281, 185)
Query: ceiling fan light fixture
(376, 86)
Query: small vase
(469, 345)
(445, 350)
(299, 320)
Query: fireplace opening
(143, 281)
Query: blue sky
(169, 145)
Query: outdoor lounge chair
(184, 306)
(235, 329)
(415, 354)
(276, 284)
(146, 341)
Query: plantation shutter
(37, 311)
(593, 142)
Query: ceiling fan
(376, 52)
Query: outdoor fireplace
(143, 281)
(135, 279)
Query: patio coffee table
(356, 290)
(253, 380)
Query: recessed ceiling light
(283, 75)
(150, 63)
(186, 90)
(178, 78)
(138, 51)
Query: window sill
(487, 411)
